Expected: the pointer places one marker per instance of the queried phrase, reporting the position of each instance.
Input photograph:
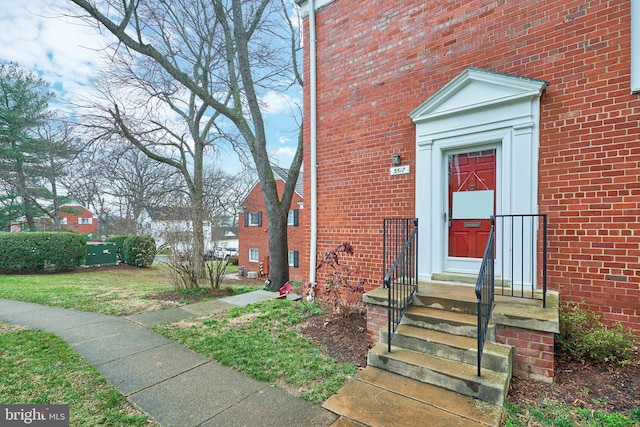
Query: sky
(66, 53)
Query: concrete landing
(379, 398)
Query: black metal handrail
(400, 249)
(485, 291)
(520, 236)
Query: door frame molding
(478, 108)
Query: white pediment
(475, 88)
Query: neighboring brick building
(253, 225)
(72, 218)
(540, 90)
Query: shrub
(233, 260)
(342, 289)
(139, 251)
(584, 337)
(41, 252)
(119, 241)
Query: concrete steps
(434, 350)
(451, 375)
(496, 357)
(379, 398)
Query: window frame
(253, 219)
(293, 259)
(257, 255)
(293, 217)
(635, 46)
(85, 221)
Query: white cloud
(284, 140)
(63, 50)
(275, 103)
(283, 155)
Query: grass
(116, 292)
(554, 414)
(39, 368)
(260, 340)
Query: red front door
(475, 171)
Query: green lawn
(39, 368)
(117, 291)
(261, 341)
(120, 291)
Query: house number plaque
(399, 170)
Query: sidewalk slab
(243, 300)
(145, 369)
(196, 396)
(8, 307)
(270, 407)
(118, 346)
(101, 328)
(207, 308)
(49, 319)
(160, 317)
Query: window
(85, 220)
(293, 258)
(292, 218)
(635, 45)
(63, 220)
(253, 219)
(254, 255)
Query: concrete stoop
(380, 398)
(432, 363)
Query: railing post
(401, 276)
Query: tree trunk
(197, 200)
(278, 248)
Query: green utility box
(100, 253)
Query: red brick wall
(377, 319)
(534, 356)
(256, 237)
(73, 214)
(379, 60)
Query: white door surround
(477, 110)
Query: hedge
(41, 252)
(119, 241)
(139, 251)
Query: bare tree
(223, 53)
(61, 148)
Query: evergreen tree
(24, 99)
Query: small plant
(583, 337)
(215, 271)
(342, 289)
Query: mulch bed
(344, 338)
(608, 386)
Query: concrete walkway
(172, 384)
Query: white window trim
(290, 258)
(257, 253)
(291, 220)
(253, 215)
(635, 46)
(84, 221)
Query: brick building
(72, 218)
(531, 105)
(253, 225)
